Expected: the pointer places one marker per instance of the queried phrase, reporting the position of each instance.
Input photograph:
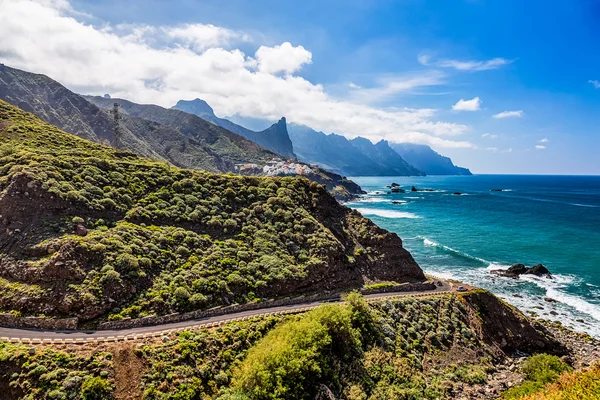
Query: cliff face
(90, 231)
(274, 138)
(356, 157)
(427, 160)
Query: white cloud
(353, 85)
(595, 83)
(492, 149)
(544, 140)
(283, 58)
(390, 86)
(164, 64)
(468, 105)
(540, 147)
(509, 114)
(201, 37)
(509, 150)
(489, 136)
(465, 65)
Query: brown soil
(128, 372)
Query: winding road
(79, 336)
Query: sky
(506, 86)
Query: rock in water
(539, 270)
(519, 269)
(394, 184)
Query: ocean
(549, 220)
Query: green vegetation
(580, 385)
(49, 374)
(380, 285)
(539, 370)
(161, 239)
(361, 352)
(198, 364)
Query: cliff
(274, 138)
(427, 160)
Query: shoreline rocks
(519, 269)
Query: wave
(386, 213)
(552, 288)
(557, 202)
(372, 200)
(428, 242)
(407, 197)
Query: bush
(539, 370)
(95, 388)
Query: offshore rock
(519, 269)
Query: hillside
(358, 157)
(408, 348)
(93, 232)
(274, 138)
(189, 124)
(226, 144)
(427, 160)
(57, 105)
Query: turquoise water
(552, 220)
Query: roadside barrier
(196, 326)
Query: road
(135, 333)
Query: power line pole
(117, 126)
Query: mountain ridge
(428, 160)
(274, 138)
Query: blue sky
(400, 66)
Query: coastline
(448, 238)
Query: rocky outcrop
(519, 269)
(274, 138)
(502, 325)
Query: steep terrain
(382, 154)
(274, 138)
(221, 141)
(94, 232)
(427, 160)
(190, 125)
(57, 105)
(358, 157)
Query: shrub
(539, 370)
(95, 388)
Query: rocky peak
(196, 106)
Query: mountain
(427, 160)
(230, 146)
(190, 125)
(382, 154)
(94, 232)
(200, 145)
(275, 138)
(358, 157)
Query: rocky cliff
(274, 138)
(427, 160)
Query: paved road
(85, 335)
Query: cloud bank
(163, 64)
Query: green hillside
(94, 232)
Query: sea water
(549, 220)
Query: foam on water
(428, 242)
(386, 213)
(570, 308)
